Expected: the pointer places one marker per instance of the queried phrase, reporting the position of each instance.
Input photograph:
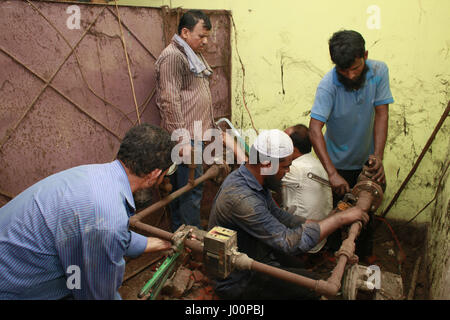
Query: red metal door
(66, 97)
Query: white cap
(274, 143)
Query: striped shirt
(182, 96)
(68, 234)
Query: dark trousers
(364, 242)
(186, 208)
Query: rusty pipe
(318, 285)
(212, 172)
(192, 166)
(419, 159)
(365, 199)
(284, 275)
(345, 252)
(195, 245)
(191, 179)
(243, 262)
(330, 287)
(347, 249)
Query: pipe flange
(372, 187)
(350, 281)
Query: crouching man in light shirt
(301, 195)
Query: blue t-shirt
(349, 115)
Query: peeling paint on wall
(439, 244)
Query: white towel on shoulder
(196, 65)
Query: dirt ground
(387, 252)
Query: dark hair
(300, 138)
(191, 18)
(345, 46)
(145, 148)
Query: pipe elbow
(328, 288)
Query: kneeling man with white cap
(265, 232)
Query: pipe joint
(327, 288)
(347, 249)
(241, 261)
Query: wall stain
(374, 43)
(282, 76)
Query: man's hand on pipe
(157, 244)
(375, 169)
(354, 214)
(339, 185)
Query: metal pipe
(319, 179)
(192, 167)
(283, 275)
(364, 201)
(191, 178)
(212, 172)
(419, 159)
(347, 248)
(195, 245)
(235, 132)
(330, 287)
(230, 143)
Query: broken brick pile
(189, 282)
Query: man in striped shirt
(185, 104)
(66, 236)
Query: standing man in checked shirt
(353, 101)
(76, 221)
(185, 104)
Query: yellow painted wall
(413, 39)
(438, 241)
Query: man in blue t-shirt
(352, 100)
